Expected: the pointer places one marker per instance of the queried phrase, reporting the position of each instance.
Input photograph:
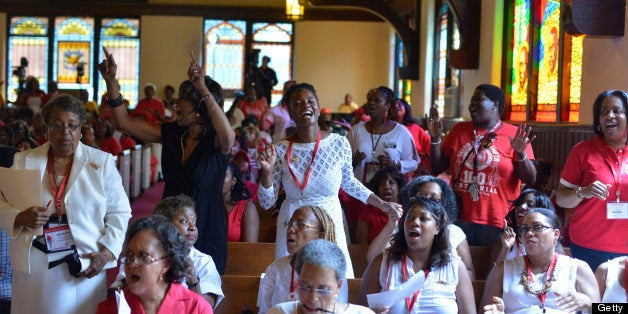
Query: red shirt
(258, 108)
(422, 143)
(376, 219)
(111, 146)
(235, 221)
(151, 106)
(589, 161)
(178, 299)
(496, 176)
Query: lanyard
(410, 304)
(309, 169)
(477, 140)
(550, 270)
(57, 190)
(293, 287)
(617, 177)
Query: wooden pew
(354, 289)
(481, 257)
(357, 252)
(240, 292)
(267, 229)
(249, 259)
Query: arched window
(544, 64)
(28, 38)
(275, 41)
(121, 38)
(73, 48)
(446, 93)
(224, 52)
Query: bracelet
(193, 285)
(115, 102)
(437, 142)
(205, 98)
(578, 193)
(525, 157)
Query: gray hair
(324, 254)
(63, 102)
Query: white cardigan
(96, 205)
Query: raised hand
(508, 237)
(596, 189)
(267, 158)
(108, 67)
(196, 75)
(434, 124)
(522, 138)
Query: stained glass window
(403, 88)
(224, 52)
(538, 68)
(275, 41)
(28, 38)
(520, 60)
(73, 48)
(445, 88)
(121, 38)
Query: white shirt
(293, 307)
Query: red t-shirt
(422, 143)
(111, 145)
(589, 161)
(496, 176)
(258, 108)
(376, 219)
(178, 299)
(151, 106)
(235, 221)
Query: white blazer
(96, 205)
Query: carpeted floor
(141, 207)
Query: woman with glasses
(510, 245)
(487, 159)
(438, 191)
(82, 203)
(594, 182)
(542, 280)
(280, 280)
(321, 266)
(156, 260)
(196, 149)
(419, 259)
(311, 166)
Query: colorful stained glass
(275, 41)
(442, 61)
(73, 47)
(224, 52)
(27, 38)
(121, 38)
(548, 52)
(520, 60)
(575, 78)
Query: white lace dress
(331, 170)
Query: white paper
(123, 307)
(392, 297)
(20, 188)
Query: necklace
(527, 280)
(61, 162)
(373, 142)
(185, 154)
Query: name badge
(616, 210)
(58, 238)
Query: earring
(161, 277)
(599, 128)
(197, 115)
(81, 136)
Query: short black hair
(296, 87)
(64, 102)
(495, 94)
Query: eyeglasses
(319, 292)
(58, 128)
(535, 229)
(141, 261)
(300, 224)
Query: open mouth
(611, 125)
(414, 234)
(133, 278)
(307, 114)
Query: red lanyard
(410, 304)
(550, 270)
(309, 169)
(57, 192)
(620, 161)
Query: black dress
(201, 178)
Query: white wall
(3, 54)
(604, 66)
(342, 57)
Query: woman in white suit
(82, 202)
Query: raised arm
(224, 133)
(138, 128)
(438, 161)
(523, 166)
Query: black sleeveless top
(201, 177)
